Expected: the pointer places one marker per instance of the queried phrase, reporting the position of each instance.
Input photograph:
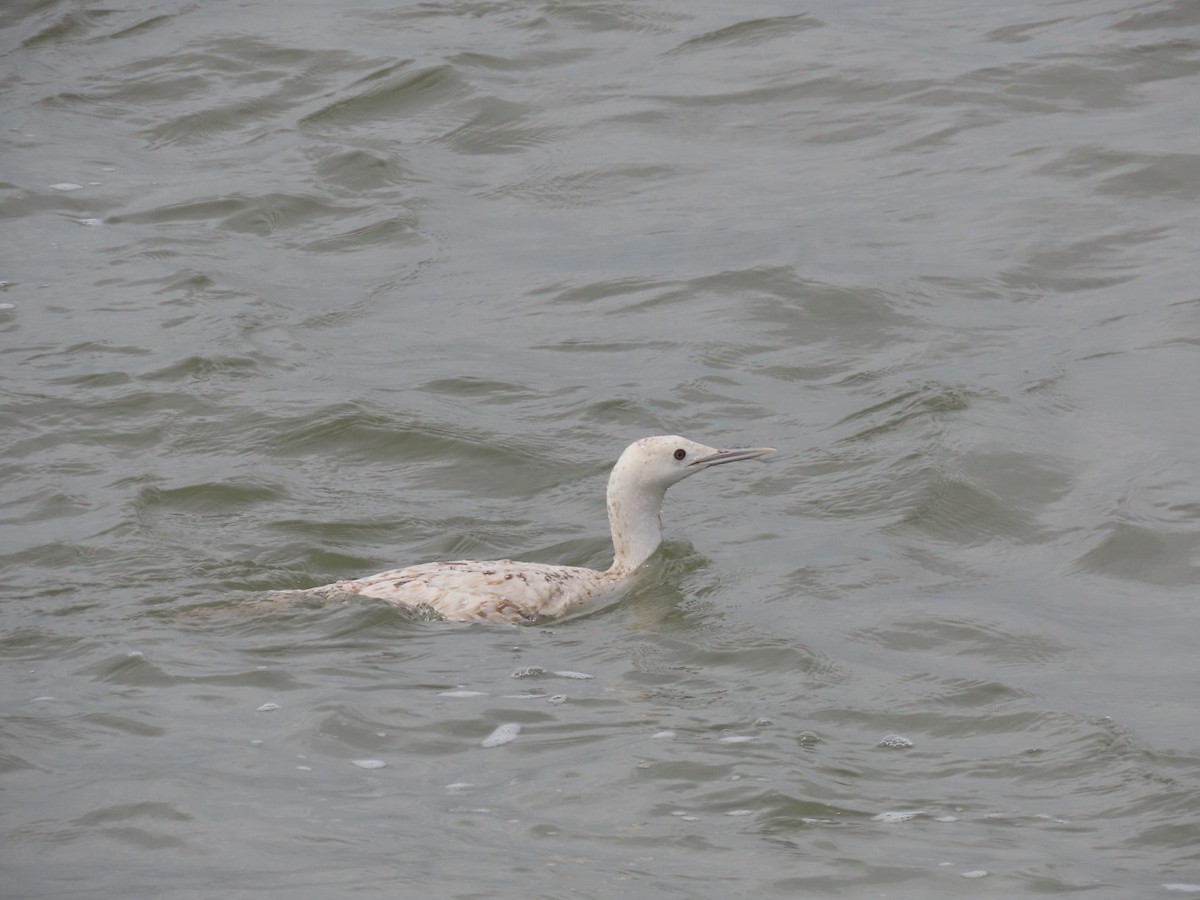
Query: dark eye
(680, 453)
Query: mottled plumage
(499, 590)
(507, 591)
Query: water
(297, 292)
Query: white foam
(502, 735)
(895, 816)
(531, 672)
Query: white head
(640, 479)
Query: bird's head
(655, 463)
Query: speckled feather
(466, 590)
(521, 592)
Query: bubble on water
(304, 768)
(570, 674)
(369, 763)
(91, 221)
(267, 707)
(975, 873)
(740, 812)
(808, 738)
(531, 672)
(257, 742)
(502, 735)
(663, 735)
(736, 738)
(896, 742)
(947, 819)
(894, 816)
(557, 698)
(136, 654)
(66, 186)
(763, 722)
(461, 694)
(459, 787)
(689, 819)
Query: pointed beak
(717, 457)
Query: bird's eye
(680, 453)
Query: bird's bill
(717, 457)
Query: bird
(515, 592)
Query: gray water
(301, 291)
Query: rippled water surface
(300, 291)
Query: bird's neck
(635, 515)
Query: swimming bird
(521, 592)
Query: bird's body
(521, 592)
(499, 590)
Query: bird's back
(470, 590)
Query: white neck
(635, 515)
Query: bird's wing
(469, 590)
